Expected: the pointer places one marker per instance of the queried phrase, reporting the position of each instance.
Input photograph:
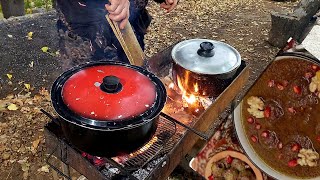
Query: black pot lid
(206, 56)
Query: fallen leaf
(30, 35)
(9, 76)
(45, 49)
(10, 96)
(44, 168)
(10, 36)
(31, 64)
(12, 107)
(35, 144)
(3, 105)
(5, 156)
(24, 164)
(28, 86)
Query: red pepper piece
(271, 83)
(315, 67)
(297, 89)
(295, 147)
(258, 126)
(229, 159)
(265, 134)
(267, 112)
(254, 138)
(293, 163)
(250, 120)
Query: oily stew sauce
(283, 125)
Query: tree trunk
(12, 8)
(54, 3)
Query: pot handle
(51, 117)
(206, 49)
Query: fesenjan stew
(281, 116)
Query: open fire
(194, 104)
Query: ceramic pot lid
(108, 92)
(206, 56)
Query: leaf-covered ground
(243, 24)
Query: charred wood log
(286, 25)
(12, 8)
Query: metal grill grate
(141, 157)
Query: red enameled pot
(108, 108)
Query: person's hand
(119, 11)
(169, 5)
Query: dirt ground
(243, 24)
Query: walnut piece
(308, 157)
(314, 85)
(256, 106)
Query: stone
(286, 25)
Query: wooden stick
(128, 42)
(117, 33)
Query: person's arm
(119, 11)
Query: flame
(191, 99)
(180, 86)
(196, 88)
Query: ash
(109, 171)
(146, 171)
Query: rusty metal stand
(178, 146)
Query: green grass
(31, 4)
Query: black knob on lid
(111, 84)
(206, 49)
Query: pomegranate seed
(280, 145)
(229, 159)
(295, 147)
(211, 177)
(271, 83)
(267, 112)
(297, 89)
(254, 138)
(315, 67)
(293, 163)
(308, 75)
(280, 86)
(265, 134)
(292, 110)
(250, 120)
(318, 138)
(285, 83)
(258, 126)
